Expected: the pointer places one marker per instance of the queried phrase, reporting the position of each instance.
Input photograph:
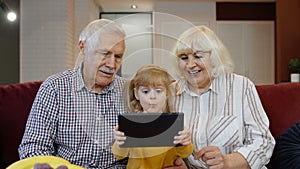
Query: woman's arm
(235, 161)
(258, 142)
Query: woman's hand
(212, 156)
(178, 164)
(183, 138)
(119, 136)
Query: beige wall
(49, 32)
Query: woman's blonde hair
(201, 38)
(148, 75)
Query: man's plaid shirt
(70, 121)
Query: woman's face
(196, 68)
(152, 99)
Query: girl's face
(152, 99)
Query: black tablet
(150, 129)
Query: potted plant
(294, 67)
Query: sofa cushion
(287, 150)
(281, 103)
(15, 105)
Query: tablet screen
(150, 129)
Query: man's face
(102, 64)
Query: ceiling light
(134, 6)
(11, 16)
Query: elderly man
(75, 111)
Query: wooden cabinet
(251, 44)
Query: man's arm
(40, 127)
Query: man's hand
(178, 164)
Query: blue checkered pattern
(70, 121)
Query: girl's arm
(119, 152)
(185, 151)
(184, 140)
(120, 138)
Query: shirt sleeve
(119, 153)
(185, 151)
(258, 142)
(38, 138)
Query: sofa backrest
(282, 105)
(280, 101)
(15, 105)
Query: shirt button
(96, 141)
(98, 118)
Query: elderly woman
(229, 126)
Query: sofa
(280, 101)
(15, 105)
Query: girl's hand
(183, 138)
(119, 136)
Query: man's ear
(136, 94)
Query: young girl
(150, 92)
